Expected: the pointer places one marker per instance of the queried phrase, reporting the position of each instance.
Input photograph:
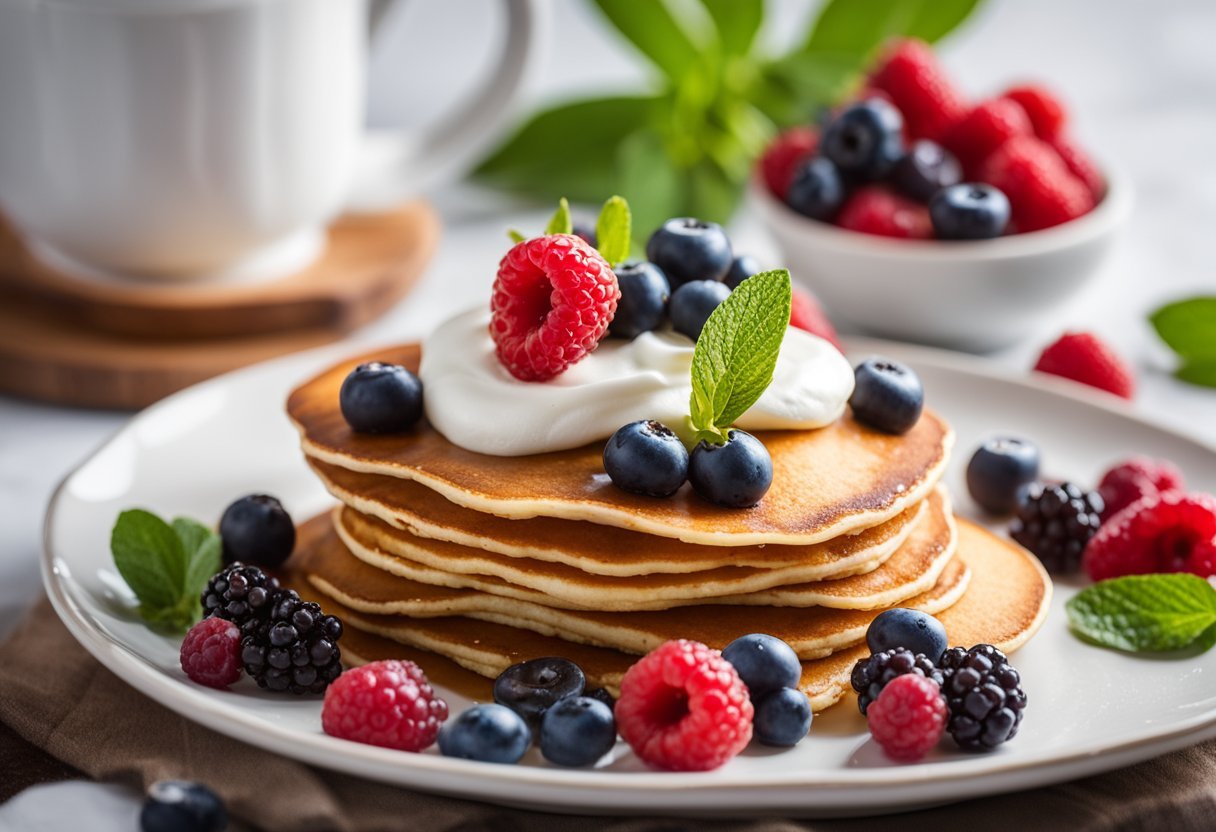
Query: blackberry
(295, 648)
(240, 594)
(984, 694)
(1055, 522)
(871, 675)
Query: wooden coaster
(67, 341)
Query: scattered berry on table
(387, 703)
(211, 653)
(765, 663)
(806, 314)
(693, 303)
(1047, 115)
(864, 140)
(552, 302)
(240, 594)
(985, 128)
(875, 209)
(684, 708)
(910, 75)
(913, 630)
(735, 474)
(585, 231)
(925, 169)
(182, 806)
(1084, 358)
(1055, 521)
(690, 249)
(887, 395)
(1167, 532)
(295, 649)
(1000, 470)
(602, 695)
(984, 696)
(1081, 165)
(969, 211)
(817, 189)
(783, 156)
(257, 530)
(530, 688)
(646, 457)
(1042, 191)
(872, 674)
(488, 733)
(577, 731)
(783, 717)
(741, 268)
(381, 398)
(908, 718)
(643, 303)
(1136, 479)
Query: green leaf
(650, 26)
(1147, 613)
(1188, 326)
(560, 222)
(737, 22)
(735, 356)
(203, 554)
(859, 28)
(794, 87)
(515, 236)
(648, 181)
(1201, 373)
(149, 555)
(613, 230)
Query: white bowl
(977, 296)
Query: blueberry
(381, 398)
(970, 211)
(586, 231)
(488, 733)
(257, 530)
(912, 630)
(764, 663)
(182, 806)
(886, 395)
(816, 191)
(999, 470)
(577, 731)
(604, 696)
(690, 249)
(925, 169)
(693, 303)
(741, 268)
(643, 303)
(736, 474)
(865, 140)
(646, 458)
(530, 687)
(782, 718)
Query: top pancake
(826, 482)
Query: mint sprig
(1147, 613)
(1189, 328)
(561, 222)
(736, 353)
(166, 565)
(612, 229)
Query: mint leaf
(203, 555)
(859, 28)
(735, 356)
(150, 558)
(1202, 373)
(561, 223)
(515, 236)
(657, 34)
(1189, 327)
(1147, 613)
(737, 22)
(612, 230)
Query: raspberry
(553, 300)
(1042, 191)
(1082, 357)
(876, 210)
(1136, 479)
(1046, 113)
(388, 703)
(1169, 532)
(984, 129)
(1081, 165)
(783, 156)
(684, 708)
(917, 85)
(908, 718)
(807, 314)
(211, 653)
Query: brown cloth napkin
(55, 697)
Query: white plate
(1089, 709)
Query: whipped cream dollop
(473, 401)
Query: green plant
(686, 147)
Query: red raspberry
(684, 708)
(917, 85)
(985, 128)
(1170, 532)
(783, 156)
(807, 314)
(908, 718)
(1046, 112)
(875, 210)
(1042, 190)
(1080, 165)
(387, 703)
(553, 300)
(211, 653)
(1082, 357)
(1136, 479)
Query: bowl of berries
(915, 215)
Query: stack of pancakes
(489, 560)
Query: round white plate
(1089, 709)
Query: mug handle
(396, 165)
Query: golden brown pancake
(826, 482)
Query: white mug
(196, 138)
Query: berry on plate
(806, 314)
(872, 674)
(553, 299)
(912, 630)
(211, 653)
(783, 717)
(1047, 115)
(735, 474)
(577, 731)
(1167, 532)
(1085, 358)
(874, 209)
(647, 458)
(908, 718)
(530, 688)
(257, 530)
(925, 169)
(816, 189)
(1136, 479)
(741, 268)
(984, 695)
(864, 140)
(182, 806)
(294, 649)
(918, 86)
(1042, 191)
(783, 156)
(381, 398)
(887, 395)
(693, 303)
(602, 695)
(684, 708)
(387, 703)
(488, 733)
(969, 211)
(643, 303)
(1055, 522)
(690, 249)
(240, 594)
(765, 663)
(1000, 470)
(985, 128)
